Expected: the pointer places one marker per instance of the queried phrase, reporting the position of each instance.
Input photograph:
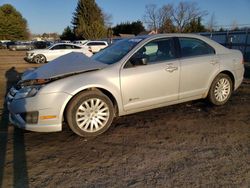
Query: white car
(96, 46)
(54, 51)
(130, 76)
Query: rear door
(199, 64)
(77, 49)
(56, 51)
(68, 48)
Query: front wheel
(220, 90)
(90, 113)
(40, 59)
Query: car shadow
(20, 172)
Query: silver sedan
(129, 76)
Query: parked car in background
(65, 41)
(129, 76)
(80, 42)
(114, 40)
(53, 52)
(96, 46)
(41, 44)
(21, 46)
(3, 44)
(6, 45)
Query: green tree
(88, 20)
(12, 25)
(129, 28)
(68, 34)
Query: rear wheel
(90, 113)
(220, 90)
(40, 59)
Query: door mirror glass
(139, 58)
(139, 61)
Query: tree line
(89, 21)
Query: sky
(54, 15)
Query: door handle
(171, 68)
(214, 62)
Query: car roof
(214, 44)
(61, 43)
(169, 35)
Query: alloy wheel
(92, 115)
(222, 89)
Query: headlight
(30, 54)
(25, 92)
(34, 83)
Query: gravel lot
(186, 145)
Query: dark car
(21, 46)
(5, 45)
(41, 44)
(2, 45)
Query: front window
(156, 51)
(117, 51)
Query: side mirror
(144, 61)
(139, 61)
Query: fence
(233, 39)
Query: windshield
(117, 51)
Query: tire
(82, 113)
(220, 90)
(40, 59)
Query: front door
(153, 83)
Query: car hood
(68, 64)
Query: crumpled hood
(71, 63)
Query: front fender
(78, 83)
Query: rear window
(194, 47)
(69, 47)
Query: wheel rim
(40, 59)
(92, 115)
(222, 90)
